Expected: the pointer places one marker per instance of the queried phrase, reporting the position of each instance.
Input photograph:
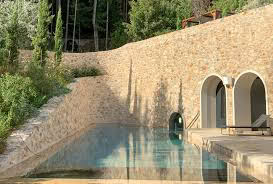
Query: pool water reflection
(114, 151)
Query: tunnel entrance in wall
(213, 103)
(176, 122)
(176, 126)
(249, 99)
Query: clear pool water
(114, 151)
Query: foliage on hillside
(27, 85)
(155, 17)
(257, 3)
(229, 5)
(27, 11)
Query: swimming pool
(115, 151)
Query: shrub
(17, 94)
(257, 3)
(229, 5)
(48, 80)
(85, 72)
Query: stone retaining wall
(59, 119)
(165, 74)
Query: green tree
(154, 17)
(40, 41)
(119, 37)
(26, 21)
(58, 38)
(11, 42)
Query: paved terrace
(94, 181)
(253, 155)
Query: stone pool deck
(94, 181)
(253, 155)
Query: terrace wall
(164, 74)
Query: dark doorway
(220, 105)
(258, 103)
(176, 122)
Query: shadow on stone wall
(128, 100)
(181, 107)
(155, 111)
(162, 106)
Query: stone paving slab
(253, 155)
(95, 181)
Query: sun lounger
(257, 125)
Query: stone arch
(249, 97)
(209, 101)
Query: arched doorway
(213, 103)
(220, 105)
(249, 99)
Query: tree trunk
(57, 7)
(66, 26)
(79, 43)
(107, 25)
(96, 36)
(126, 11)
(51, 26)
(199, 7)
(74, 29)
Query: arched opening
(213, 103)
(175, 124)
(249, 99)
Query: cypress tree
(11, 44)
(58, 38)
(40, 41)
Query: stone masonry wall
(161, 75)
